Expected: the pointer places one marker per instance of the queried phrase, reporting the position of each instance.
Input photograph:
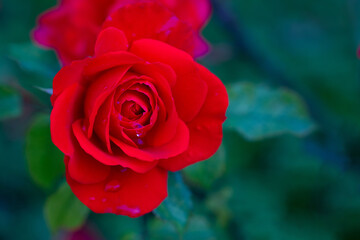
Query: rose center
(131, 110)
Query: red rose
(137, 109)
(71, 28)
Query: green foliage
(204, 174)
(45, 161)
(64, 211)
(10, 103)
(198, 228)
(257, 112)
(176, 208)
(35, 60)
(35, 68)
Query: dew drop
(118, 102)
(137, 125)
(112, 186)
(92, 198)
(106, 87)
(84, 128)
(140, 142)
(123, 170)
(132, 211)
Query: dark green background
(289, 166)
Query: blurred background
(289, 166)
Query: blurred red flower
(71, 27)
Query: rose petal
(110, 60)
(99, 91)
(124, 192)
(206, 128)
(189, 90)
(157, 51)
(177, 145)
(189, 95)
(67, 109)
(92, 147)
(110, 40)
(152, 20)
(196, 13)
(102, 122)
(85, 169)
(67, 76)
(155, 70)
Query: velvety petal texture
(137, 109)
(71, 28)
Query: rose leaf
(257, 111)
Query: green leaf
(35, 60)
(205, 173)
(64, 211)
(45, 161)
(198, 228)
(34, 69)
(10, 103)
(257, 111)
(177, 206)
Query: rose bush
(139, 108)
(71, 28)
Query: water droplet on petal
(106, 87)
(123, 170)
(129, 210)
(92, 198)
(140, 142)
(137, 125)
(112, 186)
(83, 128)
